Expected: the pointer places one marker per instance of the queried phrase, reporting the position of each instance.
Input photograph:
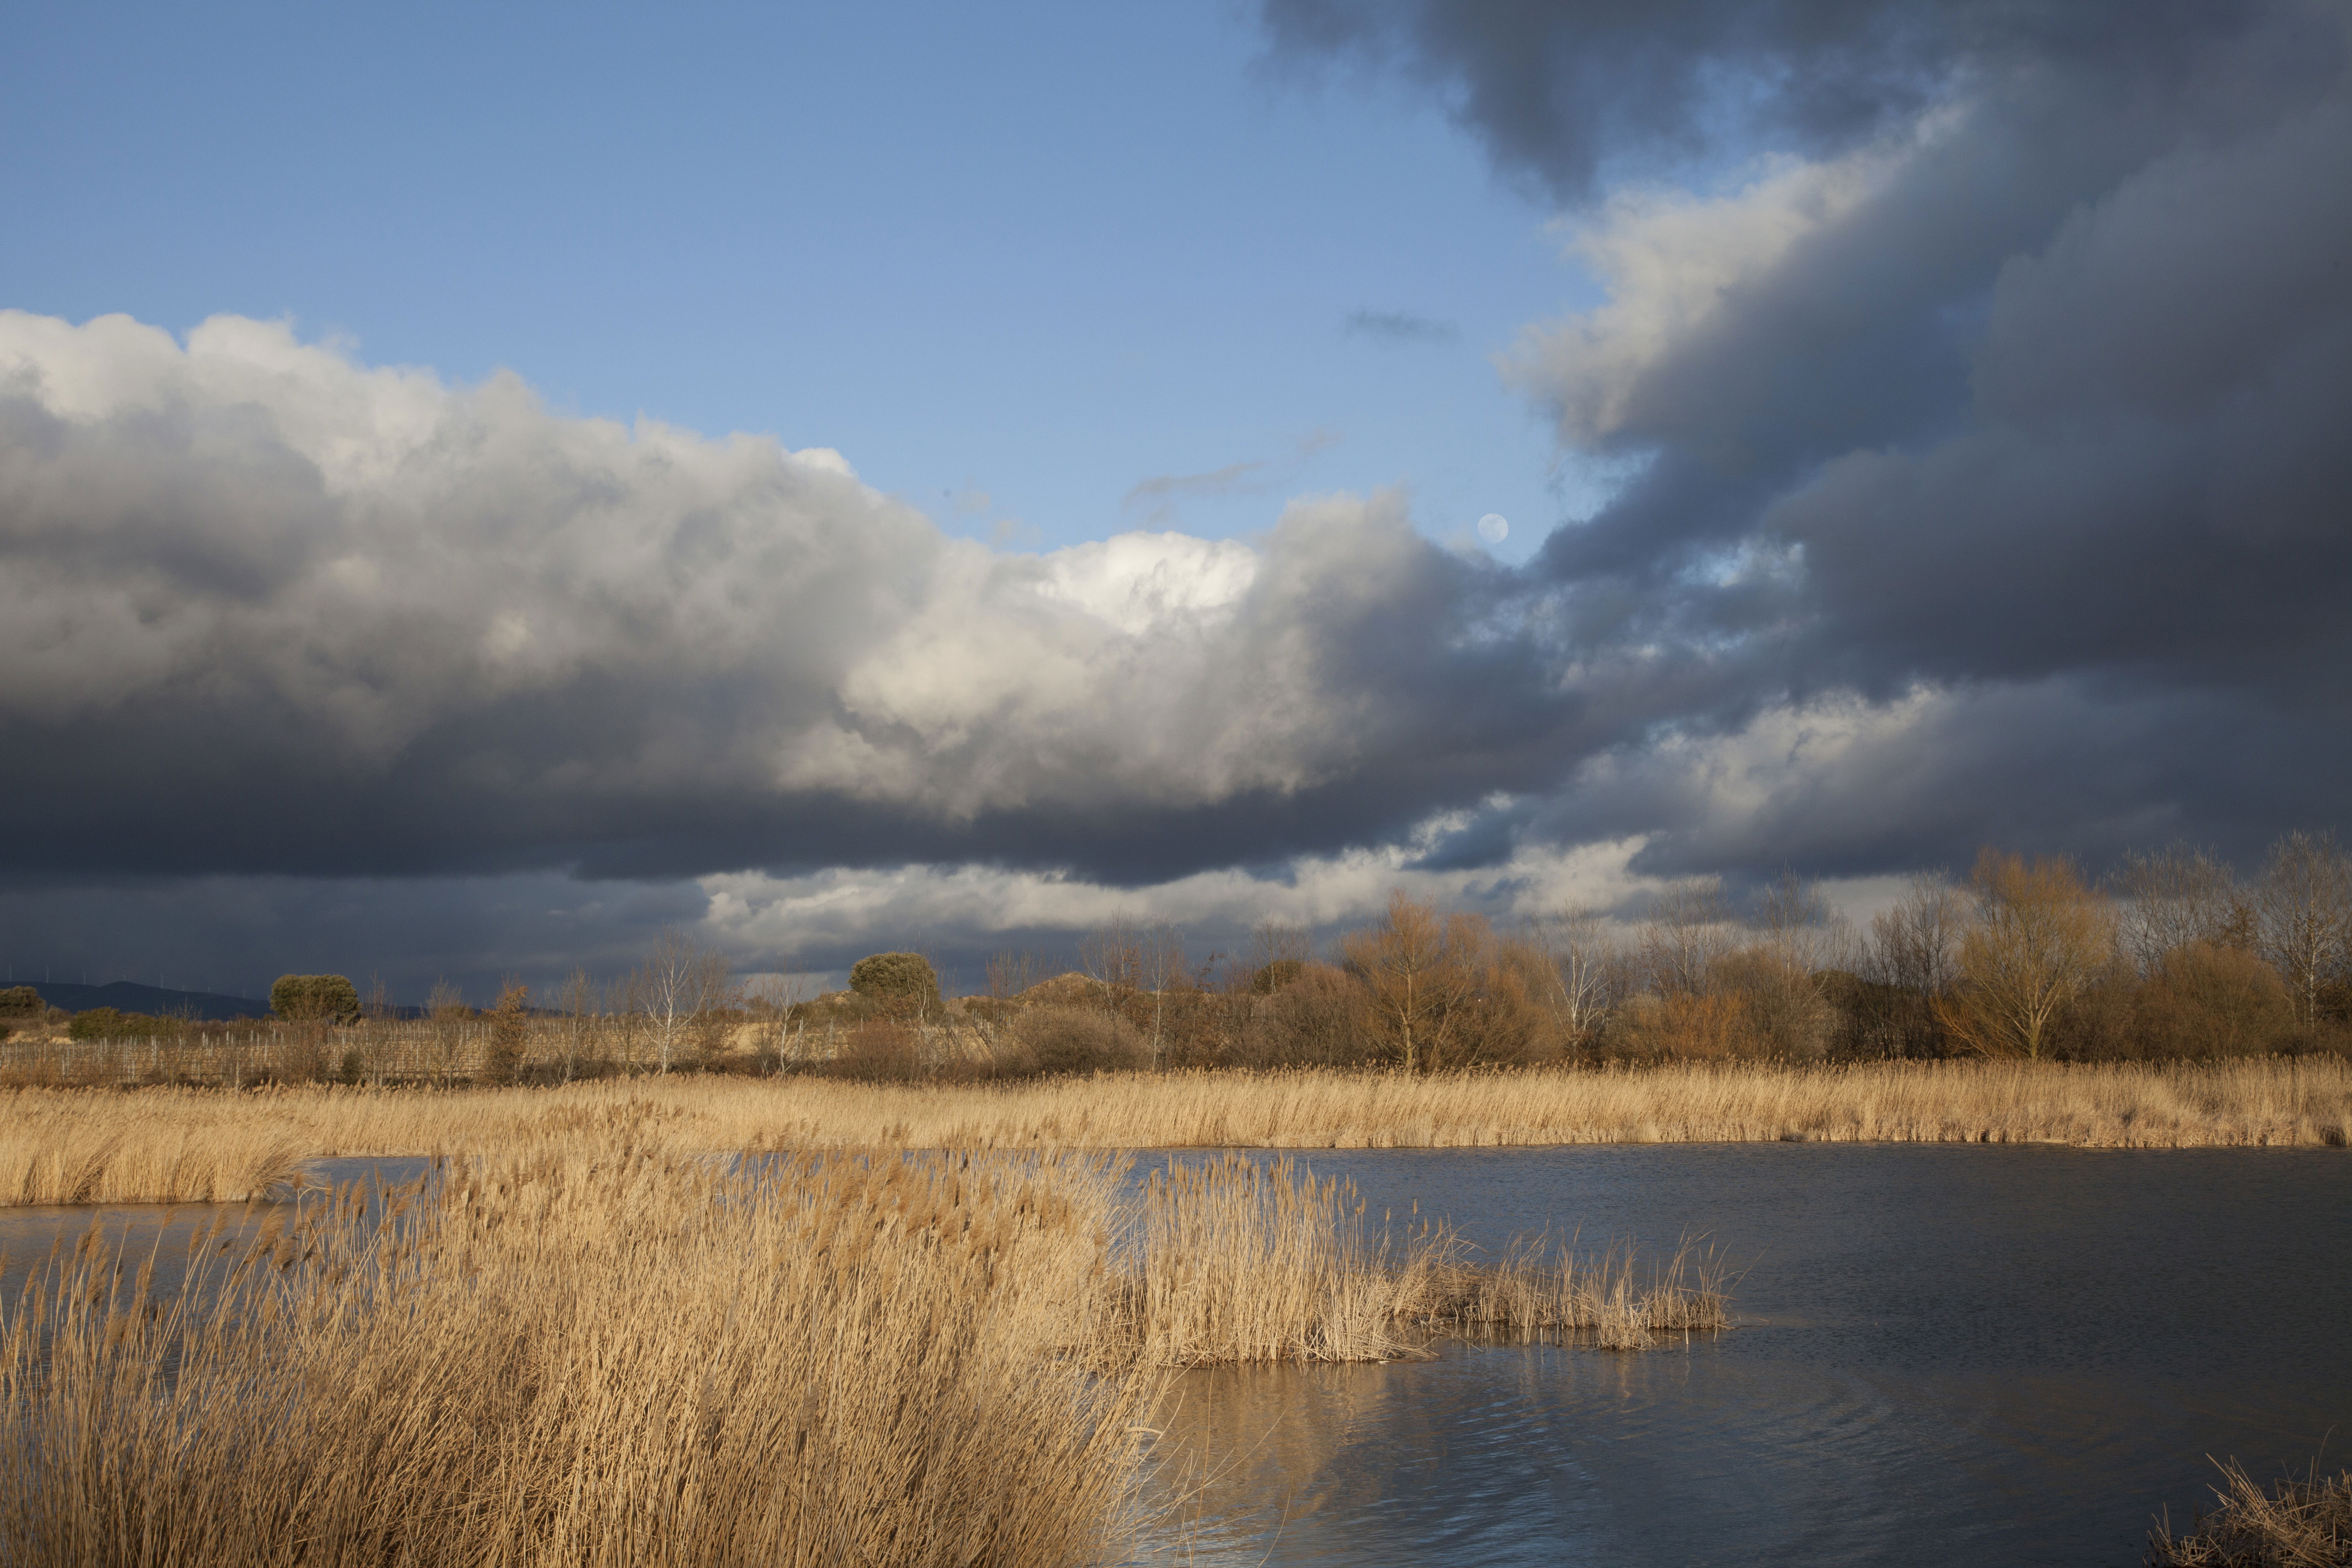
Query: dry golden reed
(1242, 1262)
(585, 1349)
(2303, 1523)
(607, 1358)
(167, 1144)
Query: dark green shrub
(315, 998)
(901, 980)
(21, 1001)
(96, 1024)
(109, 1024)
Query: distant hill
(130, 997)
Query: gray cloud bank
(267, 611)
(2021, 382)
(1991, 482)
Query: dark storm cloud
(2023, 389)
(266, 611)
(1990, 482)
(1566, 91)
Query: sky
(478, 490)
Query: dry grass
(2301, 1525)
(590, 1351)
(166, 1144)
(611, 1358)
(1249, 1262)
(95, 1147)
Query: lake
(1951, 1354)
(1978, 1354)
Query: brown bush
(2209, 1001)
(1503, 1019)
(1068, 989)
(878, 1050)
(1321, 1016)
(1709, 1026)
(300, 1054)
(1784, 1015)
(1873, 1019)
(1077, 1040)
(2101, 1024)
(1204, 1028)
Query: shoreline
(170, 1144)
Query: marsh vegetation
(588, 1349)
(2304, 1524)
(172, 1146)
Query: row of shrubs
(1435, 991)
(2205, 1004)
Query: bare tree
(1421, 967)
(1009, 973)
(1801, 931)
(1273, 941)
(1687, 930)
(2303, 914)
(2039, 938)
(679, 986)
(447, 1007)
(1914, 943)
(578, 996)
(625, 1015)
(380, 1013)
(1160, 949)
(1112, 955)
(773, 996)
(2171, 897)
(1587, 972)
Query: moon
(1494, 528)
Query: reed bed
(1242, 1262)
(582, 1352)
(172, 1144)
(607, 1358)
(2298, 1524)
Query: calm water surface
(32, 1233)
(1952, 1354)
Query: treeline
(2173, 956)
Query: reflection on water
(136, 1232)
(2005, 1355)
